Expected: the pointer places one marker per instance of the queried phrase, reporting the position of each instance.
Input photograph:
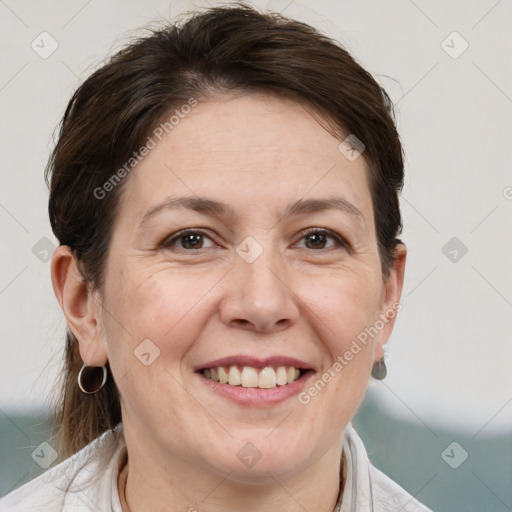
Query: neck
(144, 487)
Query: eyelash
(169, 241)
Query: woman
(225, 195)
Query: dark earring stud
(379, 370)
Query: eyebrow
(224, 211)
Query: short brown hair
(111, 114)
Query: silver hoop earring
(90, 381)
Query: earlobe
(82, 312)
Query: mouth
(268, 377)
(246, 376)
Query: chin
(259, 462)
(263, 472)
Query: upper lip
(256, 362)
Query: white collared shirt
(87, 481)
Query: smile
(268, 377)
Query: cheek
(346, 306)
(150, 327)
(345, 310)
(160, 307)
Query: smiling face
(268, 275)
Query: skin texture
(258, 154)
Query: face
(263, 277)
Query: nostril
(240, 321)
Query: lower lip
(257, 396)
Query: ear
(390, 303)
(80, 305)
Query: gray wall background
(447, 67)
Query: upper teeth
(250, 377)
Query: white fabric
(367, 489)
(90, 477)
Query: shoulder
(78, 483)
(390, 496)
(368, 488)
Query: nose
(258, 295)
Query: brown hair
(111, 114)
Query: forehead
(252, 151)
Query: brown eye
(317, 239)
(187, 240)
